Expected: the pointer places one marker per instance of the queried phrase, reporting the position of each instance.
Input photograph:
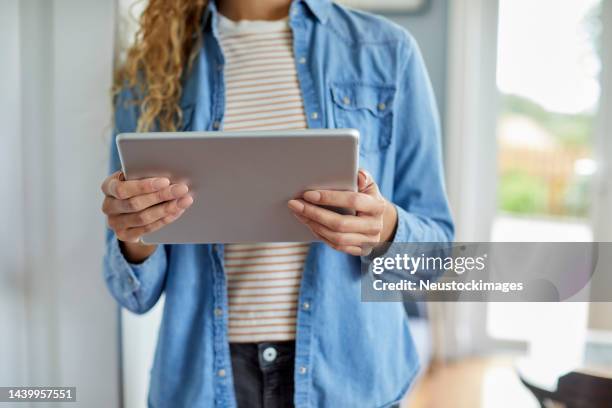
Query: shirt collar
(320, 8)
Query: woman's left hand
(374, 221)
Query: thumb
(365, 182)
(109, 186)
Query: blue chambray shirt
(355, 70)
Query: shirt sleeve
(419, 195)
(137, 287)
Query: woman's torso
(346, 355)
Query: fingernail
(296, 205)
(185, 202)
(160, 183)
(312, 196)
(363, 178)
(364, 181)
(179, 190)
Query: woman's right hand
(137, 207)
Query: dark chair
(575, 390)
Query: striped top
(262, 93)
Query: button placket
(312, 103)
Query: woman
(277, 324)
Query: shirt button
(218, 312)
(219, 67)
(314, 115)
(346, 100)
(305, 305)
(130, 280)
(302, 60)
(303, 370)
(382, 106)
(216, 124)
(221, 373)
(269, 354)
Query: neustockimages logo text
(430, 268)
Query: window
(548, 79)
(548, 68)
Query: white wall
(430, 28)
(138, 341)
(61, 324)
(12, 294)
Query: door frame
(471, 120)
(471, 116)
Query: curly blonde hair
(165, 46)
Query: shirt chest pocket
(367, 108)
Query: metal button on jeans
(269, 354)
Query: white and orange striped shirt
(262, 93)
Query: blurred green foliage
(521, 193)
(571, 130)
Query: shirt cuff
(408, 227)
(406, 224)
(135, 277)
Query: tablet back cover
(241, 181)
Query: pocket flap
(376, 99)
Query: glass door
(548, 80)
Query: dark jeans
(263, 374)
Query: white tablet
(241, 181)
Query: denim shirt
(355, 70)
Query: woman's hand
(137, 207)
(374, 221)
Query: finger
(308, 224)
(139, 203)
(105, 187)
(123, 190)
(364, 180)
(330, 236)
(349, 249)
(367, 185)
(134, 234)
(150, 215)
(342, 238)
(360, 202)
(335, 221)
